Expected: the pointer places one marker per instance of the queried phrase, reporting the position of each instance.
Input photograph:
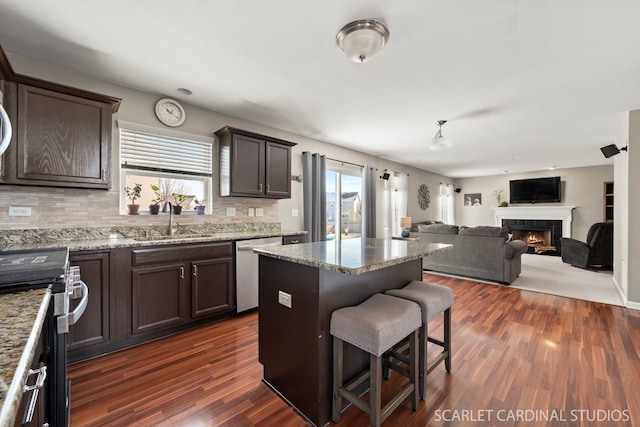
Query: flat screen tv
(535, 190)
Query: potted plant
(133, 194)
(177, 203)
(200, 206)
(154, 207)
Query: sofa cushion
(415, 225)
(438, 229)
(484, 230)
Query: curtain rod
(343, 162)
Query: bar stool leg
(422, 352)
(413, 369)
(375, 378)
(337, 379)
(447, 339)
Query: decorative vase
(200, 210)
(154, 209)
(133, 209)
(405, 233)
(177, 209)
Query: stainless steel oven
(38, 268)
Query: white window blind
(142, 148)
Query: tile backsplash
(75, 208)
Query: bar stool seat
(375, 326)
(433, 299)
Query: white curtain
(446, 203)
(395, 193)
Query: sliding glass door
(344, 208)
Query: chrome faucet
(171, 231)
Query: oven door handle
(65, 321)
(252, 247)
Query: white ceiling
(525, 85)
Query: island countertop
(353, 256)
(23, 314)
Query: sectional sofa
(479, 252)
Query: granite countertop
(23, 315)
(129, 237)
(353, 256)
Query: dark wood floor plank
(512, 350)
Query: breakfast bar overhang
(300, 286)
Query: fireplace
(542, 236)
(554, 220)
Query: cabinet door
(158, 297)
(93, 326)
(278, 170)
(247, 170)
(62, 140)
(211, 287)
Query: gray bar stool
(375, 326)
(433, 300)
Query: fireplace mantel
(562, 213)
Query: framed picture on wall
(473, 199)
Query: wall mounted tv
(535, 190)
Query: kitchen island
(300, 286)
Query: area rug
(549, 275)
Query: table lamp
(405, 223)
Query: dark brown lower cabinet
(211, 287)
(140, 294)
(92, 330)
(176, 285)
(158, 297)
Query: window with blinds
(176, 162)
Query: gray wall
(55, 207)
(581, 187)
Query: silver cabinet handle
(182, 272)
(194, 270)
(260, 188)
(268, 188)
(35, 388)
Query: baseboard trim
(633, 305)
(620, 291)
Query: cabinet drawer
(180, 253)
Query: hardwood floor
(519, 358)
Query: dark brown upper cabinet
(61, 136)
(254, 165)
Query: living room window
(175, 162)
(446, 203)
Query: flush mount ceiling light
(439, 142)
(361, 40)
(611, 150)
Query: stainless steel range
(38, 268)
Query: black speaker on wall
(385, 176)
(457, 189)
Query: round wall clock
(170, 112)
(423, 196)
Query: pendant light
(361, 40)
(439, 142)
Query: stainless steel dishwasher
(247, 271)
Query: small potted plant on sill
(177, 203)
(154, 207)
(200, 206)
(133, 194)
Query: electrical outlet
(251, 212)
(259, 212)
(284, 299)
(17, 211)
(231, 211)
(294, 212)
